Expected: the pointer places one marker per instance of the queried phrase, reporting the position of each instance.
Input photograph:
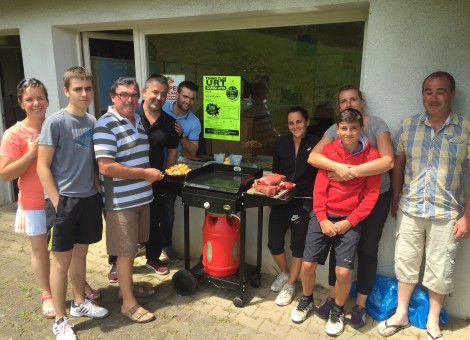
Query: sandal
(140, 291)
(136, 314)
(93, 294)
(430, 337)
(396, 328)
(49, 313)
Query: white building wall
(66, 53)
(38, 57)
(405, 40)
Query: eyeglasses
(126, 96)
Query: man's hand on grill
(153, 175)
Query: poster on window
(222, 107)
(173, 80)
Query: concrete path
(207, 314)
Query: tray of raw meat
(272, 186)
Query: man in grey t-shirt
(67, 171)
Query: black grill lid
(222, 177)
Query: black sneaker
(170, 254)
(323, 311)
(358, 317)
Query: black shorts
(293, 215)
(77, 220)
(317, 244)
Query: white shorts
(31, 222)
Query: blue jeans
(168, 218)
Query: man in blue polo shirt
(188, 128)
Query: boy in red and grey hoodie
(339, 208)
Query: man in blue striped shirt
(428, 199)
(122, 151)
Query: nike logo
(294, 218)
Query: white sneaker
(299, 313)
(280, 281)
(286, 295)
(335, 324)
(63, 329)
(90, 309)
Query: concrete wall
(402, 47)
(405, 40)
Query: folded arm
(344, 172)
(11, 168)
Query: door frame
(7, 192)
(85, 38)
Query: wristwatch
(182, 135)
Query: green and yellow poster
(222, 107)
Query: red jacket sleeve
(320, 195)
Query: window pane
(280, 67)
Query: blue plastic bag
(382, 302)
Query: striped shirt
(117, 138)
(436, 166)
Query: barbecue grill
(220, 188)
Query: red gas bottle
(221, 244)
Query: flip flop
(396, 328)
(141, 292)
(93, 295)
(49, 313)
(430, 337)
(134, 315)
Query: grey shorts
(317, 244)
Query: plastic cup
(219, 157)
(235, 159)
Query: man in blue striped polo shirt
(122, 151)
(432, 161)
